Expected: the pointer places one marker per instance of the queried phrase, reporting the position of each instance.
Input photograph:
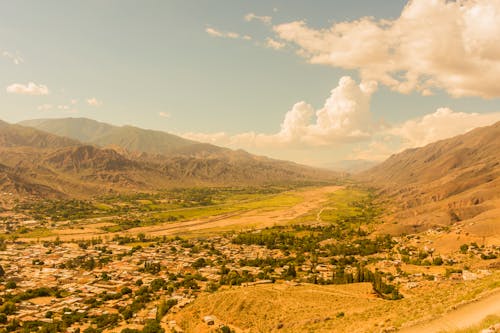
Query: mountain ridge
(35, 163)
(445, 182)
(131, 138)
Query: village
(99, 285)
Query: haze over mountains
(34, 163)
(444, 182)
(130, 138)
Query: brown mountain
(21, 136)
(444, 182)
(35, 163)
(129, 138)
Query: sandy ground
(463, 317)
(312, 199)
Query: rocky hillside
(444, 182)
(34, 163)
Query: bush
(438, 261)
(152, 326)
(11, 285)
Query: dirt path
(467, 315)
(312, 199)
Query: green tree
(152, 326)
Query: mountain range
(35, 163)
(129, 138)
(445, 182)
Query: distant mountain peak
(128, 137)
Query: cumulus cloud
(164, 114)
(264, 19)
(94, 102)
(433, 44)
(16, 58)
(30, 89)
(442, 124)
(374, 151)
(345, 120)
(45, 107)
(274, 44)
(345, 117)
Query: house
(209, 320)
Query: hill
(20, 136)
(444, 182)
(35, 163)
(130, 138)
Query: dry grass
(487, 322)
(314, 308)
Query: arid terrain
(322, 252)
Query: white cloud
(442, 124)
(16, 58)
(274, 44)
(226, 34)
(29, 89)
(434, 44)
(94, 102)
(374, 151)
(345, 117)
(252, 17)
(214, 32)
(45, 107)
(164, 114)
(220, 138)
(222, 34)
(344, 125)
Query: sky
(315, 82)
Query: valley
(251, 259)
(103, 239)
(250, 166)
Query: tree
(290, 272)
(152, 326)
(10, 285)
(164, 307)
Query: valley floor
(308, 259)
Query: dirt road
(467, 315)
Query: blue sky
(154, 64)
